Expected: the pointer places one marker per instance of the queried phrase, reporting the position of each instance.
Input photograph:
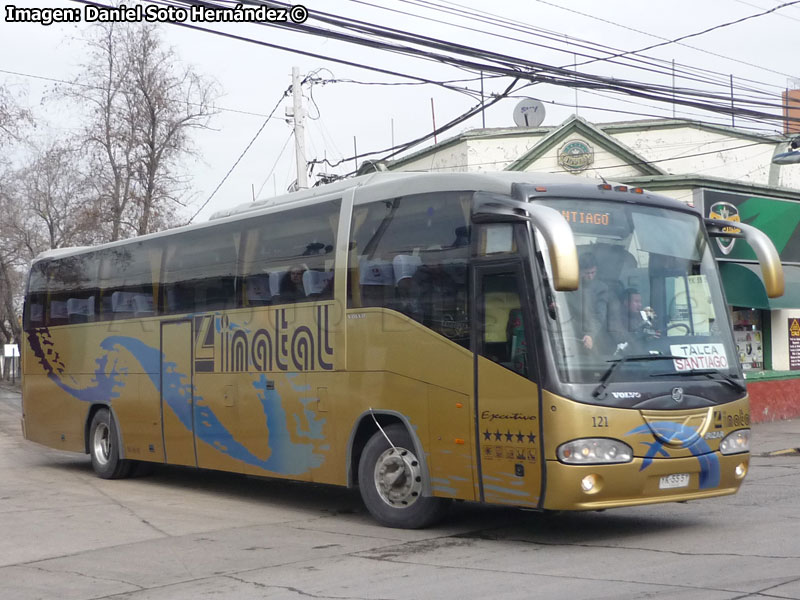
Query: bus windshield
(649, 297)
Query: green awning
(743, 286)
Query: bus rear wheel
(104, 447)
(391, 481)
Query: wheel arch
(365, 428)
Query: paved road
(183, 534)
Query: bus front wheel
(391, 480)
(104, 447)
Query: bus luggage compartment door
(177, 399)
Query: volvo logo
(626, 395)
(677, 394)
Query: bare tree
(13, 118)
(59, 209)
(142, 108)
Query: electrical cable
(275, 164)
(397, 149)
(241, 156)
(505, 23)
(503, 64)
(710, 29)
(94, 87)
(629, 28)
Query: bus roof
(373, 186)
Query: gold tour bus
(530, 340)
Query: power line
(512, 65)
(710, 29)
(241, 156)
(275, 164)
(616, 166)
(399, 148)
(496, 20)
(94, 87)
(498, 64)
(629, 28)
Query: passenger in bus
(588, 305)
(291, 288)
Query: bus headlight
(736, 442)
(594, 451)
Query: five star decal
(509, 436)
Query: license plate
(677, 480)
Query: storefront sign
(779, 219)
(727, 212)
(794, 344)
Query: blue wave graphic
(689, 439)
(284, 456)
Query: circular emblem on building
(575, 156)
(677, 394)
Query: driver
(637, 323)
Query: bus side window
(126, 281)
(200, 271)
(72, 289)
(294, 251)
(410, 254)
(37, 297)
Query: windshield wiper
(710, 373)
(618, 361)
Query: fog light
(589, 483)
(740, 471)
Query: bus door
(507, 403)
(177, 399)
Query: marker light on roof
(637, 191)
(621, 188)
(604, 186)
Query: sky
(345, 115)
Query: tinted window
(36, 298)
(126, 280)
(200, 270)
(72, 289)
(289, 256)
(410, 254)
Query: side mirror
(554, 228)
(768, 259)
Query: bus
(538, 341)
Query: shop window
(748, 333)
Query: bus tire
(104, 447)
(391, 485)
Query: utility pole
(299, 130)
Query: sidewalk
(774, 436)
(7, 385)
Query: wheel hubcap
(398, 478)
(101, 443)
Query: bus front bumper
(643, 481)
